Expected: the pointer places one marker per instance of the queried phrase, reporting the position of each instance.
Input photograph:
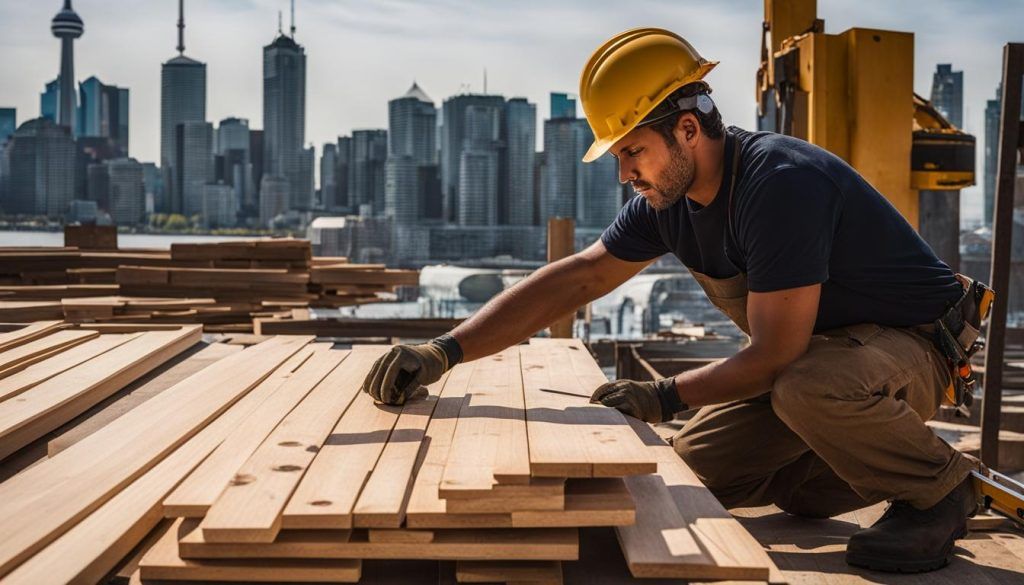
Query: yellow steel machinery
(852, 94)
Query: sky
(362, 53)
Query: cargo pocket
(861, 334)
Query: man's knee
(714, 471)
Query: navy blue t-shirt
(800, 216)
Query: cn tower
(67, 26)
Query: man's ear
(687, 128)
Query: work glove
(652, 402)
(398, 374)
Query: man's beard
(673, 183)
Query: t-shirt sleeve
(634, 235)
(786, 227)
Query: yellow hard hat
(629, 75)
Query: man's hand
(652, 402)
(400, 372)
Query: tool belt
(956, 335)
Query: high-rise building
(412, 126)
(948, 93)
(8, 124)
(274, 193)
(589, 193)
(219, 206)
(366, 173)
(328, 175)
(49, 100)
(256, 156)
(97, 184)
(234, 164)
(991, 154)
(307, 192)
(67, 26)
(565, 142)
(182, 99)
(412, 145)
(284, 115)
(127, 191)
(455, 130)
(515, 206)
(153, 181)
(342, 201)
(562, 106)
(103, 112)
(194, 166)
(39, 163)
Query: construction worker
(823, 412)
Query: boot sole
(891, 565)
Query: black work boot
(908, 540)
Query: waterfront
(159, 241)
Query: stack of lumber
(343, 284)
(50, 372)
(272, 465)
(223, 285)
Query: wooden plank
(194, 496)
(61, 362)
(568, 436)
(18, 358)
(44, 501)
(538, 572)
(538, 486)
(91, 548)
(588, 502)
(54, 402)
(386, 535)
(28, 333)
(166, 376)
(681, 530)
(498, 544)
(489, 445)
(505, 504)
(331, 486)
(163, 562)
(249, 509)
(424, 501)
(382, 502)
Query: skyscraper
(182, 99)
(948, 93)
(49, 100)
(342, 199)
(520, 130)
(991, 154)
(454, 139)
(328, 175)
(412, 146)
(40, 169)
(194, 166)
(284, 114)
(366, 173)
(8, 123)
(562, 106)
(234, 159)
(127, 195)
(67, 26)
(103, 112)
(565, 143)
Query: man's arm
(552, 292)
(533, 303)
(781, 324)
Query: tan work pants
(842, 428)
